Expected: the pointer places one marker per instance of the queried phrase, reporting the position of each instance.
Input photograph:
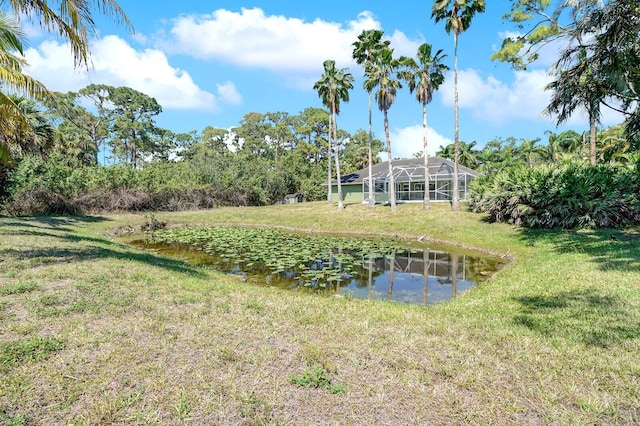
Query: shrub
(575, 195)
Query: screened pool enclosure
(409, 177)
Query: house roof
(407, 170)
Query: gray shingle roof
(406, 170)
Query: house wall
(350, 193)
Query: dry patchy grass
(138, 339)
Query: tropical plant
(574, 195)
(38, 135)
(14, 82)
(529, 151)
(333, 87)
(72, 21)
(381, 73)
(457, 16)
(466, 153)
(424, 77)
(369, 43)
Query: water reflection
(422, 277)
(413, 276)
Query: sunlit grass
(552, 338)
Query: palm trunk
(329, 190)
(335, 144)
(392, 184)
(592, 139)
(372, 201)
(455, 200)
(425, 203)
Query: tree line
(48, 137)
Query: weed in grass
(187, 299)
(255, 306)
(227, 354)
(182, 407)
(316, 377)
(314, 355)
(33, 349)
(256, 411)
(18, 288)
(17, 420)
(50, 300)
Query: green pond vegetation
(319, 261)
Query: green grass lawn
(96, 332)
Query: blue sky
(208, 63)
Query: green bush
(575, 195)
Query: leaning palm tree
(425, 77)
(333, 87)
(457, 15)
(369, 43)
(382, 73)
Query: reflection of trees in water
(392, 269)
(358, 270)
(425, 276)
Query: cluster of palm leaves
(70, 19)
(574, 195)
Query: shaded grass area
(552, 338)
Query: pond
(359, 267)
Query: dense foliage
(575, 195)
(259, 162)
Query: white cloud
(403, 45)
(407, 141)
(497, 102)
(229, 94)
(500, 103)
(116, 63)
(250, 38)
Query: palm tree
(333, 87)
(467, 156)
(369, 43)
(446, 151)
(380, 73)
(12, 79)
(528, 151)
(30, 133)
(425, 77)
(72, 20)
(578, 87)
(39, 135)
(457, 15)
